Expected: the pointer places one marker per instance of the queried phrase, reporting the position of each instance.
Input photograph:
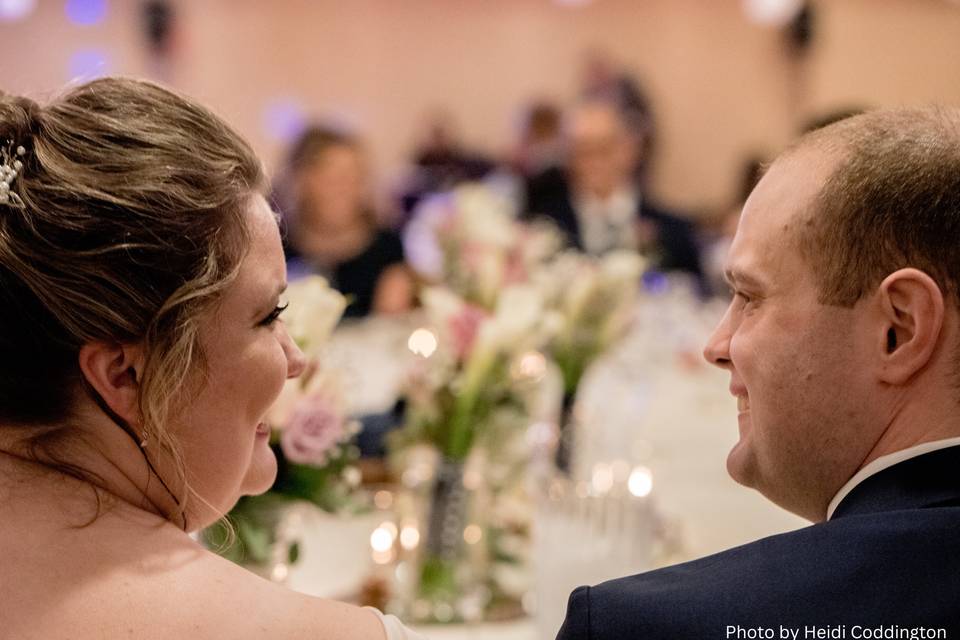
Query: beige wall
(722, 87)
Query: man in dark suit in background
(595, 199)
(843, 347)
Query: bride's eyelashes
(274, 315)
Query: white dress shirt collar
(885, 462)
(608, 223)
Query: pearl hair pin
(10, 166)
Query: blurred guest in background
(440, 162)
(541, 144)
(596, 201)
(604, 80)
(332, 229)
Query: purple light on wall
(86, 12)
(13, 10)
(655, 282)
(284, 119)
(88, 64)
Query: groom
(843, 347)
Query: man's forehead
(783, 201)
(786, 194)
(594, 121)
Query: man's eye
(274, 315)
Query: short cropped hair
(892, 201)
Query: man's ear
(114, 371)
(911, 312)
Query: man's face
(803, 396)
(602, 153)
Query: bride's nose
(296, 360)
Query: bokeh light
(86, 12)
(640, 482)
(422, 342)
(14, 10)
(88, 64)
(284, 119)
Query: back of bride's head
(123, 222)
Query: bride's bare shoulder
(161, 584)
(218, 599)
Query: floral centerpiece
(502, 295)
(311, 439)
(590, 304)
(468, 401)
(469, 241)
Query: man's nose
(717, 349)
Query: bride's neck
(96, 452)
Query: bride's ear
(114, 371)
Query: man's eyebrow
(735, 276)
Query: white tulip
(622, 266)
(441, 304)
(315, 309)
(484, 216)
(519, 311)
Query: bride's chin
(262, 472)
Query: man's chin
(741, 465)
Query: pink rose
(316, 426)
(464, 328)
(515, 270)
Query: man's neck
(923, 416)
(624, 191)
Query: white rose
(622, 266)
(441, 305)
(489, 275)
(519, 312)
(484, 216)
(579, 289)
(315, 309)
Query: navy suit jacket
(548, 196)
(890, 555)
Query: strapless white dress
(394, 628)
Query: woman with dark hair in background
(332, 229)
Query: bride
(141, 345)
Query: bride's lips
(263, 430)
